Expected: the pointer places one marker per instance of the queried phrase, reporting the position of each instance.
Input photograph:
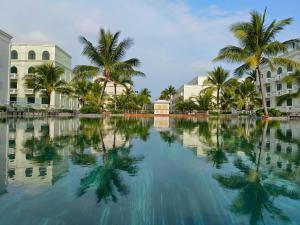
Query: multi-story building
(5, 40)
(24, 57)
(188, 90)
(275, 86)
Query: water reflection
(238, 171)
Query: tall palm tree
(145, 96)
(108, 56)
(46, 79)
(258, 47)
(218, 79)
(204, 100)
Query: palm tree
(258, 47)
(168, 93)
(108, 56)
(81, 89)
(204, 100)
(218, 80)
(47, 79)
(144, 97)
(247, 94)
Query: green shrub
(89, 109)
(214, 113)
(272, 112)
(2, 108)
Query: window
(279, 164)
(31, 99)
(43, 171)
(45, 55)
(279, 87)
(29, 156)
(13, 84)
(11, 156)
(288, 149)
(278, 147)
(289, 102)
(29, 127)
(28, 172)
(279, 70)
(11, 173)
(289, 133)
(31, 55)
(269, 74)
(11, 143)
(13, 70)
(45, 100)
(289, 85)
(268, 89)
(14, 54)
(30, 70)
(268, 146)
(290, 68)
(268, 101)
(13, 98)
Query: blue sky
(175, 40)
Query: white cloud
(174, 42)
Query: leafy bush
(214, 113)
(2, 108)
(65, 111)
(89, 109)
(272, 112)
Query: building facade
(188, 90)
(274, 86)
(5, 40)
(162, 107)
(24, 57)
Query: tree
(46, 79)
(108, 56)
(247, 94)
(218, 80)
(144, 97)
(168, 93)
(258, 47)
(204, 100)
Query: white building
(190, 89)
(5, 40)
(162, 107)
(275, 87)
(26, 56)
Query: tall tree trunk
(262, 145)
(103, 89)
(262, 90)
(218, 98)
(115, 90)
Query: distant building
(26, 56)
(190, 89)
(161, 107)
(5, 40)
(275, 87)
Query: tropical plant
(144, 98)
(218, 80)
(258, 47)
(81, 89)
(205, 100)
(168, 93)
(108, 56)
(247, 95)
(46, 79)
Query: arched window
(45, 55)
(14, 70)
(14, 54)
(30, 70)
(31, 55)
(269, 74)
(290, 68)
(279, 71)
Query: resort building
(26, 56)
(5, 40)
(162, 107)
(275, 86)
(188, 90)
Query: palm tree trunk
(115, 89)
(102, 91)
(218, 98)
(262, 90)
(262, 145)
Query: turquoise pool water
(158, 171)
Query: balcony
(13, 76)
(278, 78)
(13, 91)
(28, 91)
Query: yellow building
(161, 107)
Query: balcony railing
(13, 76)
(28, 91)
(13, 91)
